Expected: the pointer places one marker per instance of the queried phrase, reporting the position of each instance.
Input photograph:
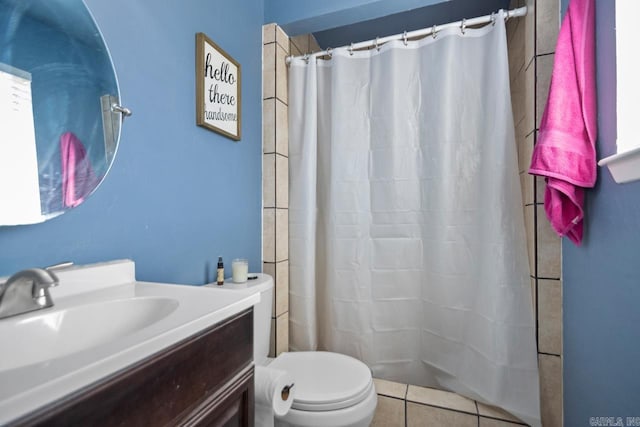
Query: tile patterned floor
(401, 405)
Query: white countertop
(26, 388)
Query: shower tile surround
(531, 44)
(275, 172)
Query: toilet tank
(261, 312)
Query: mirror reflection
(58, 133)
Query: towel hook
(377, 45)
(351, 49)
(404, 38)
(463, 25)
(434, 31)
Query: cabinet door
(231, 407)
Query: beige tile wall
(275, 180)
(531, 42)
(275, 171)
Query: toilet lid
(325, 381)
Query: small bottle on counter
(220, 279)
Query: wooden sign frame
(218, 89)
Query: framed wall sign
(217, 89)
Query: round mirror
(59, 108)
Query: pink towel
(565, 150)
(78, 179)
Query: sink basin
(56, 333)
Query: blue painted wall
(602, 278)
(177, 195)
(302, 17)
(423, 17)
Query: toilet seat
(325, 381)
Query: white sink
(102, 322)
(50, 333)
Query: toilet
(331, 389)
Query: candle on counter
(240, 269)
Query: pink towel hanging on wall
(78, 179)
(565, 150)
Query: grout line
(535, 188)
(442, 407)
(477, 412)
(545, 54)
(275, 136)
(550, 354)
(389, 396)
(528, 64)
(406, 410)
(275, 73)
(514, 423)
(550, 278)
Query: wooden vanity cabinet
(205, 380)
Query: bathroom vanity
(114, 351)
(206, 380)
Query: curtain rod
(513, 13)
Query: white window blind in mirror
(19, 185)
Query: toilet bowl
(331, 389)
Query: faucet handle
(59, 266)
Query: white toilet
(331, 389)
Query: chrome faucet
(28, 290)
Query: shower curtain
(406, 232)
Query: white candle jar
(240, 269)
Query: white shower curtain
(407, 242)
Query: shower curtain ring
(329, 52)
(351, 49)
(377, 45)
(463, 25)
(404, 38)
(434, 31)
(306, 58)
(493, 18)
